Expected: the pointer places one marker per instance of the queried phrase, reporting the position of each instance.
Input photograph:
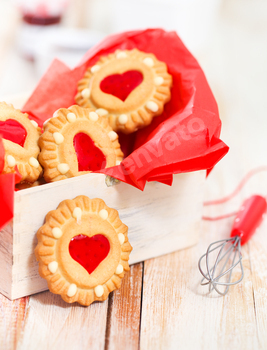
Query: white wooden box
(161, 219)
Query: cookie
(83, 250)
(20, 139)
(129, 87)
(77, 141)
(24, 185)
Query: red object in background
(249, 218)
(42, 12)
(41, 21)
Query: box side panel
(25, 277)
(6, 260)
(161, 219)
(169, 220)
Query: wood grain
(124, 312)
(6, 259)
(11, 321)
(176, 310)
(50, 323)
(258, 261)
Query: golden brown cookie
(20, 140)
(83, 250)
(129, 87)
(77, 141)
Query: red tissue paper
(7, 186)
(184, 138)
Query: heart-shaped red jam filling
(13, 131)
(90, 157)
(121, 85)
(89, 251)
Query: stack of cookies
(122, 92)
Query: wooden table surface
(161, 304)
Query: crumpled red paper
(184, 138)
(7, 185)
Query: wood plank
(51, 323)
(124, 312)
(258, 261)
(11, 321)
(6, 259)
(176, 310)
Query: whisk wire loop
(247, 220)
(225, 256)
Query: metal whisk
(219, 275)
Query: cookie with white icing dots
(20, 139)
(129, 87)
(77, 141)
(83, 250)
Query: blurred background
(228, 37)
(33, 32)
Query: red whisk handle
(249, 218)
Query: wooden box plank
(161, 219)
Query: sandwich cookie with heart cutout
(20, 139)
(129, 87)
(83, 250)
(77, 141)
